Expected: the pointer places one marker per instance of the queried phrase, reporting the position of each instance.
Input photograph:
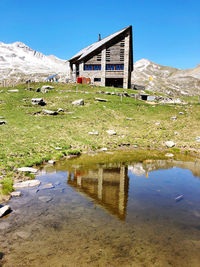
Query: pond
(139, 213)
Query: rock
(79, 102)
(198, 138)
(51, 161)
(44, 91)
(13, 90)
(60, 110)
(45, 198)
(1, 118)
(27, 169)
(4, 210)
(101, 100)
(129, 119)
(94, 133)
(22, 234)
(157, 123)
(49, 112)
(103, 149)
(47, 87)
(170, 144)
(38, 90)
(38, 101)
(2, 122)
(135, 146)
(107, 93)
(169, 155)
(173, 118)
(111, 132)
(16, 194)
(58, 148)
(29, 183)
(46, 186)
(181, 113)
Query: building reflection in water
(106, 186)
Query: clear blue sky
(165, 31)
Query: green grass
(29, 137)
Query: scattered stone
(38, 101)
(103, 149)
(47, 87)
(45, 198)
(169, 155)
(181, 113)
(101, 100)
(60, 110)
(47, 186)
(170, 144)
(2, 122)
(29, 183)
(58, 148)
(157, 123)
(174, 118)
(22, 234)
(179, 198)
(79, 102)
(13, 90)
(111, 132)
(16, 194)
(94, 133)
(27, 169)
(49, 112)
(198, 138)
(4, 210)
(51, 161)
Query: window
(92, 67)
(97, 79)
(107, 54)
(121, 54)
(99, 57)
(114, 67)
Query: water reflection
(107, 186)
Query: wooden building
(108, 62)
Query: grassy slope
(28, 139)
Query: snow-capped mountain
(18, 62)
(169, 80)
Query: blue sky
(164, 31)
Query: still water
(114, 214)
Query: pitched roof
(89, 49)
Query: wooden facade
(108, 62)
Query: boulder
(49, 112)
(4, 210)
(101, 100)
(44, 87)
(29, 183)
(111, 132)
(27, 169)
(38, 101)
(60, 110)
(51, 161)
(16, 194)
(170, 144)
(79, 102)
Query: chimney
(99, 37)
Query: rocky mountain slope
(168, 80)
(19, 63)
